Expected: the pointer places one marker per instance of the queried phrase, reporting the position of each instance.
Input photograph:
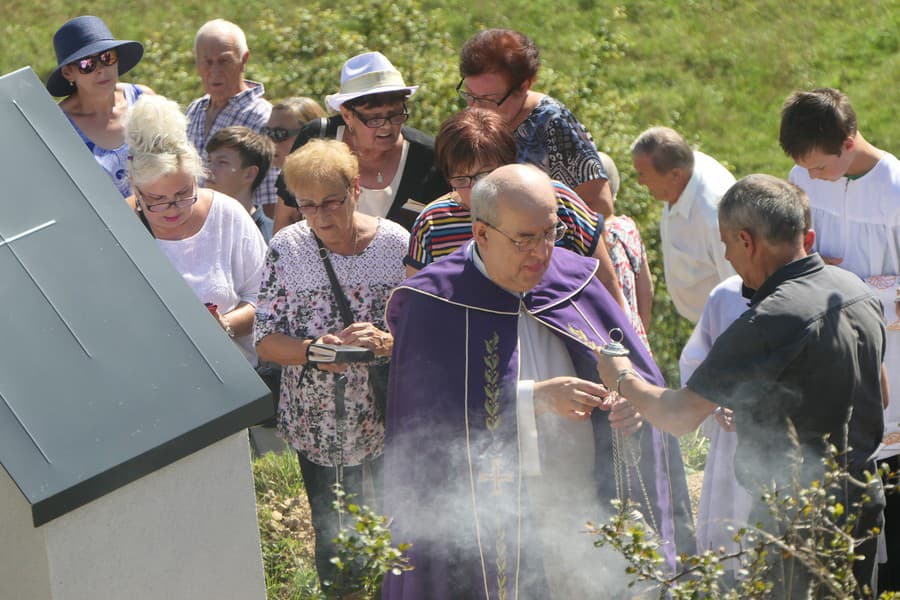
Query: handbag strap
(146, 223)
(342, 302)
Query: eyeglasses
(328, 206)
(473, 99)
(89, 64)
(279, 134)
(164, 205)
(531, 243)
(376, 122)
(461, 182)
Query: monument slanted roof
(110, 367)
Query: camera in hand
(338, 353)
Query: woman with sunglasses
(90, 61)
(287, 118)
(396, 163)
(300, 303)
(208, 237)
(498, 68)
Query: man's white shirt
(693, 252)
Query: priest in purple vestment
(495, 454)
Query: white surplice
(724, 502)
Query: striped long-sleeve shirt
(445, 225)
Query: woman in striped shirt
(471, 144)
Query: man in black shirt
(806, 354)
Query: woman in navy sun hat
(89, 62)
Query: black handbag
(270, 373)
(378, 373)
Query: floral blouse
(627, 252)
(295, 299)
(552, 139)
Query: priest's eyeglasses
(532, 242)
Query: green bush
(807, 527)
(365, 550)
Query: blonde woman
(298, 306)
(207, 236)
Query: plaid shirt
(248, 108)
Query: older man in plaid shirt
(221, 54)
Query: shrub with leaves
(809, 530)
(365, 552)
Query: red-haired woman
(498, 68)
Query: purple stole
(454, 485)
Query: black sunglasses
(89, 64)
(279, 134)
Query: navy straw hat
(82, 37)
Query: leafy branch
(365, 551)
(809, 544)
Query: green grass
(694, 448)
(285, 537)
(717, 70)
(278, 473)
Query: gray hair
(767, 207)
(220, 28)
(666, 148)
(158, 145)
(612, 173)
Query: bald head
(514, 224)
(516, 187)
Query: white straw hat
(367, 74)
